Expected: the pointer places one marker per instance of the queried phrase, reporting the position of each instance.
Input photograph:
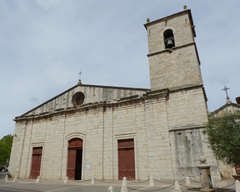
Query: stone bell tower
(174, 65)
(173, 56)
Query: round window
(78, 98)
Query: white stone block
(124, 185)
(151, 182)
(110, 189)
(176, 188)
(66, 180)
(6, 178)
(38, 179)
(15, 179)
(237, 185)
(188, 182)
(92, 181)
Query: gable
(225, 109)
(91, 94)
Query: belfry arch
(169, 39)
(74, 169)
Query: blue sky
(45, 43)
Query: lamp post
(4, 139)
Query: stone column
(205, 175)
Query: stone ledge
(187, 128)
(171, 50)
(164, 93)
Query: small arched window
(169, 39)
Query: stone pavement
(28, 185)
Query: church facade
(111, 132)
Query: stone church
(110, 132)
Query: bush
(224, 137)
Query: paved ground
(85, 186)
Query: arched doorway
(74, 170)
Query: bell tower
(173, 56)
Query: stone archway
(74, 169)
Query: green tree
(224, 137)
(5, 149)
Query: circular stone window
(78, 98)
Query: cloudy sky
(45, 43)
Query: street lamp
(4, 139)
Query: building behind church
(111, 132)
(227, 171)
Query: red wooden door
(126, 162)
(74, 159)
(71, 163)
(36, 162)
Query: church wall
(108, 150)
(226, 171)
(25, 160)
(187, 146)
(171, 70)
(123, 128)
(187, 109)
(159, 156)
(166, 131)
(187, 118)
(75, 127)
(16, 152)
(141, 141)
(53, 146)
(94, 143)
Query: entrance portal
(36, 162)
(126, 162)
(74, 170)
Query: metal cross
(80, 75)
(225, 89)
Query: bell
(169, 43)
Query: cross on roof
(80, 75)
(225, 89)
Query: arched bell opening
(74, 170)
(169, 39)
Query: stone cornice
(187, 87)
(175, 48)
(190, 127)
(162, 93)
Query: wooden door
(36, 162)
(71, 163)
(74, 169)
(126, 162)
